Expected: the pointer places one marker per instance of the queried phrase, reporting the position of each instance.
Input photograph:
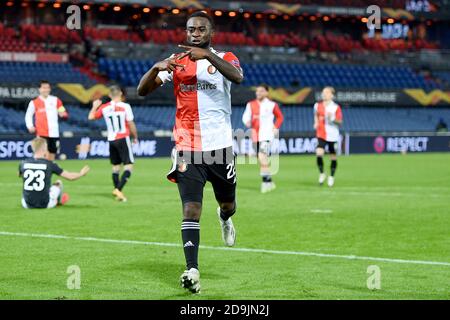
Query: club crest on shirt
(182, 166)
(211, 69)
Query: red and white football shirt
(116, 115)
(261, 115)
(202, 120)
(326, 114)
(45, 111)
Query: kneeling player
(119, 121)
(38, 192)
(327, 119)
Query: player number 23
(231, 170)
(34, 180)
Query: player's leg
(191, 181)
(320, 151)
(127, 158)
(54, 196)
(223, 180)
(264, 162)
(333, 166)
(115, 175)
(116, 160)
(52, 146)
(63, 197)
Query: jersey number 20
(34, 180)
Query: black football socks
(190, 234)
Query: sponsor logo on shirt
(201, 85)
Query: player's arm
(229, 71)
(75, 175)
(133, 130)
(316, 118)
(29, 118)
(279, 118)
(93, 113)
(150, 80)
(247, 116)
(62, 112)
(337, 117)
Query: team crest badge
(212, 69)
(182, 166)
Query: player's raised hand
(84, 170)
(194, 53)
(32, 130)
(169, 64)
(96, 103)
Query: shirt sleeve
(29, 115)
(247, 116)
(278, 116)
(61, 109)
(338, 115)
(56, 169)
(129, 113)
(99, 113)
(231, 58)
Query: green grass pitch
(382, 206)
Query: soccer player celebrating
(327, 120)
(259, 115)
(202, 78)
(46, 109)
(38, 192)
(120, 124)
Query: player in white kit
(259, 115)
(120, 123)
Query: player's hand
(276, 132)
(248, 124)
(315, 125)
(96, 103)
(169, 64)
(84, 170)
(194, 53)
(32, 130)
(135, 141)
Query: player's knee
(333, 156)
(192, 210)
(128, 167)
(320, 152)
(228, 206)
(116, 169)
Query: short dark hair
(43, 82)
(263, 85)
(202, 14)
(115, 89)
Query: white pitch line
(321, 210)
(282, 252)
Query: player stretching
(38, 192)
(46, 109)
(327, 120)
(119, 121)
(259, 115)
(202, 78)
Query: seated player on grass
(38, 190)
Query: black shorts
(191, 171)
(332, 145)
(120, 151)
(52, 144)
(262, 146)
